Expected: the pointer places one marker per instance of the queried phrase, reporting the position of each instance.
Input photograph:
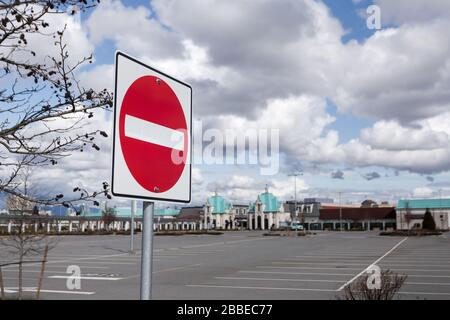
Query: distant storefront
(410, 213)
(359, 218)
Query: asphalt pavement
(237, 265)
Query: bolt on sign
(152, 134)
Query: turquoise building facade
(218, 213)
(267, 212)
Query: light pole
(440, 205)
(133, 213)
(340, 211)
(295, 175)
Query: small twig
(41, 275)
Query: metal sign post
(133, 213)
(152, 142)
(147, 251)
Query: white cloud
(303, 123)
(197, 177)
(423, 192)
(398, 73)
(274, 64)
(423, 147)
(43, 43)
(98, 78)
(87, 169)
(401, 74)
(391, 135)
(404, 11)
(133, 29)
(243, 188)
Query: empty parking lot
(240, 265)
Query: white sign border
(139, 197)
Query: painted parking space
(240, 266)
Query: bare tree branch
(45, 110)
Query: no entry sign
(152, 134)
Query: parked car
(284, 226)
(297, 226)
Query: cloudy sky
(363, 112)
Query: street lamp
(440, 205)
(295, 175)
(340, 212)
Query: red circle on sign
(150, 100)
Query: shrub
(428, 221)
(391, 283)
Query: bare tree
(23, 244)
(43, 107)
(44, 110)
(391, 283)
(108, 217)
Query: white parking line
(279, 279)
(428, 283)
(185, 253)
(85, 278)
(374, 263)
(65, 266)
(307, 268)
(322, 263)
(178, 268)
(359, 264)
(425, 276)
(350, 237)
(175, 254)
(167, 270)
(298, 273)
(80, 259)
(105, 262)
(345, 269)
(305, 258)
(413, 265)
(415, 260)
(14, 290)
(36, 271)
(225, 243)
(72, 255)
(339, 256)
(257, 288)
(34, 267)
(426, 293)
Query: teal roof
(269, 201)
(166, 212)
(91, 212)
(424, 204)
(219, 204)
(122, 212)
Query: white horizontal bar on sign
(150, 132)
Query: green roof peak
(269, 201)
(219, 204)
